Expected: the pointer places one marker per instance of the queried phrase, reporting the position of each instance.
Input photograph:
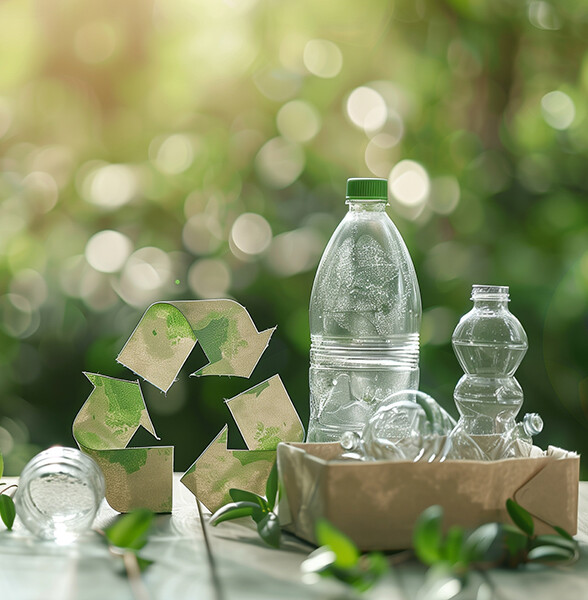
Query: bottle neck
(493, 304)
(363, 205)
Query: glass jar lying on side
(59, 493)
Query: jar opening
(490, 292)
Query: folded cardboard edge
(531, 495)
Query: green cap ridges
(367, 188)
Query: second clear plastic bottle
(365, 314)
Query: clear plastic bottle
(489, 343)
(365, 314)
(59, 493)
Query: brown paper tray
(376, 503)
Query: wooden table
(238, 567)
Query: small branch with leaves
(260, 509)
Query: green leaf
(318, 561)
(480, 540)
(550, 554)
(260, 513)
(452, 550)
(563, 533)
(520, 517)
(345, 550)
(269, 530)
(271, 487)
(233, 510)
(7, 510)
(426, 537)
(131, 530)
(555, 540)
(245, 496)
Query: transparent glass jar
(59, 493)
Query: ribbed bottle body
(365, 313)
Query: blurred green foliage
(160, 149)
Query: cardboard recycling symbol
(156, 351)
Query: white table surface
(246, 568)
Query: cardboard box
(376, 503)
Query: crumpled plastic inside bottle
(408, 425)
(411, 425)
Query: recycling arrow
(113, 412)
(156, 351)
(169, 331)
(265, 416)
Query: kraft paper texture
(265, 416)
(156, 351)
(135, 477)
(169, 331)
(377, 503)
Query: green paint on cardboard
(258, 389)
(88, 439)
(125, 403)
(177, 325)
(247, 457)
(131, 459)
(268, 438)
(213, 337)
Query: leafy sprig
(451, 556)
(259, 508)
(338, 558)
(7, 509)
(490, 545)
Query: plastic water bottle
(365, 314)
(489, 343)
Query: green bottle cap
(367, 188)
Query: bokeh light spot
(18, 319)
(295, 251)
(409, 183)
(111, 186)
(558, 109)
(543, 16)
(298, 121)
(30, 284)
(202, 234)
(41, 191)
(323, 58)
(209, 278)
(367, 109)
(107, 251)
(174, 154)
(251, 233)
(280, 162)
